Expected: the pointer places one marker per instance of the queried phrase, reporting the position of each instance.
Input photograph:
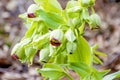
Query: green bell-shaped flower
(87, 3)
(94, 21)
(56, 37)
(31, 10)
(70, 35)
(44, 55)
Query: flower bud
(70, 35)
(94, 21)
(87, 3)
(56, 37)
(71, 47)
(32, 8)
(14, 56)
(44, 55)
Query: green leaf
(97, 60)
(61, 58)
(41, 40)
(31, 30)
(25, 41)
(52, 71)
(82, 53)
(81, 68)
(100, 53)
(50, 5)
(112, 76)
(82, 28)
(53, 20)
(94, 50)
(95, 74)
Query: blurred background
(12, 29)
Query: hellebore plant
(58, 36)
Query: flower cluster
(58, 36)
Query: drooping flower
(56, 37)
(31, 11)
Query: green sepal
(44, 55)
(30, 52)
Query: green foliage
(58, 36)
